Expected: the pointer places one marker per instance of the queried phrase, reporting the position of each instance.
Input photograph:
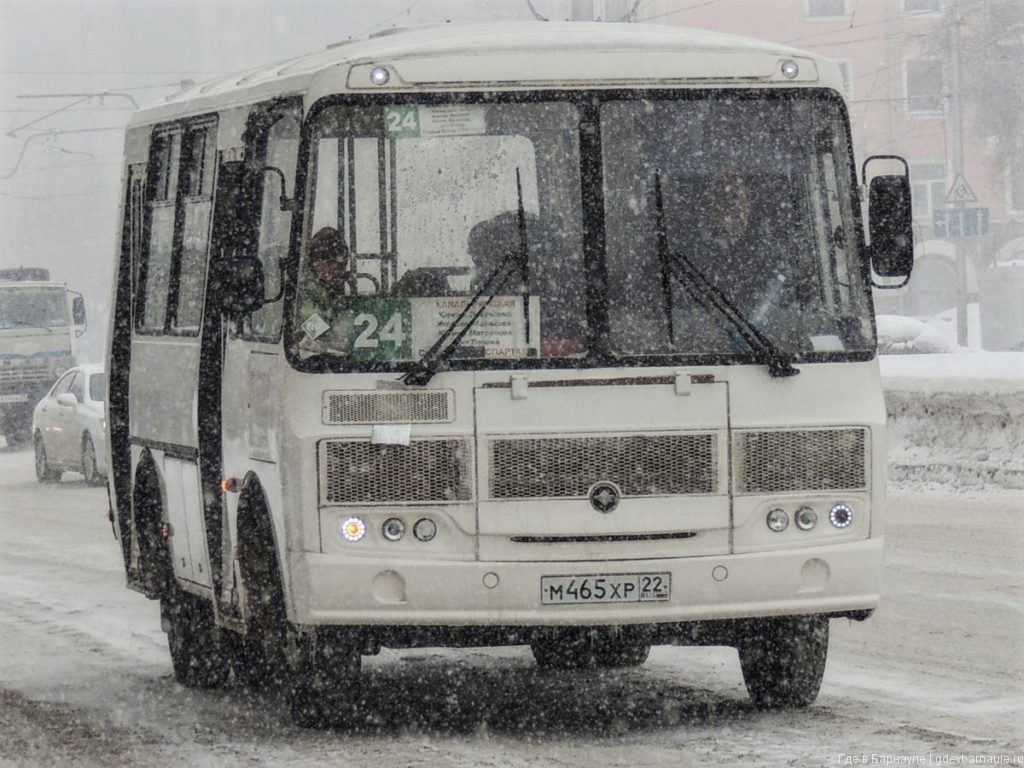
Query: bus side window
(197, 205)
(158, 250)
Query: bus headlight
(353, 528)
(777, 520)
(805, 518)
(379, 76)
(790, 69)
(393, 529)
(841, 515)
(425, 529)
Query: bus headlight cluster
(806, 518)
(393, 529)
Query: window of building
(927, 189)
(921, 6)
(925, 85)
(827, 9)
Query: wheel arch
(256, 536)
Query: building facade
(940, 82)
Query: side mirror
(891, 225)
(67, 399)
(78, 310)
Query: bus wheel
(324, 688)
(197, 654)
(90, 471)
(783, 660)
(44, 472)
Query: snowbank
(956, 419)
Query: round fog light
(353, 528)
(393, 529)
(805, 518)
(425, 529)
(777, 520)
(841, 515)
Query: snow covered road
(938, 672)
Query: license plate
(13, 398)
(608, 588)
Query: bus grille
(424, 471)
(641, 465)
(386, 407)
(801, 460)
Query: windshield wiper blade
(514, 261)
(703, 291)
(449, 340)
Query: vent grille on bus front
(423, 471)
(387, 407)
(641, 465)
(801, 460)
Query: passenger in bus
(548, 271)
(745, 245)
(327, 278)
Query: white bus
(556, 335)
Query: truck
(40, 323)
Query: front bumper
(345, 591)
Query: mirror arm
(287, 204)
(280, 281)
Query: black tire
(588, 649)
(198, 655)
(90, 471)
(325, 683)
(783, 661)
(44, 472)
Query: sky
(61, 140)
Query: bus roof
(509, 54)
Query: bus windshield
(32, 307)
(754, 193)
(414, 207)
(426, 218)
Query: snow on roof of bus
(468, 39)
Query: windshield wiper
(514, 261)
(708, 295)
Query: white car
(69, 426)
